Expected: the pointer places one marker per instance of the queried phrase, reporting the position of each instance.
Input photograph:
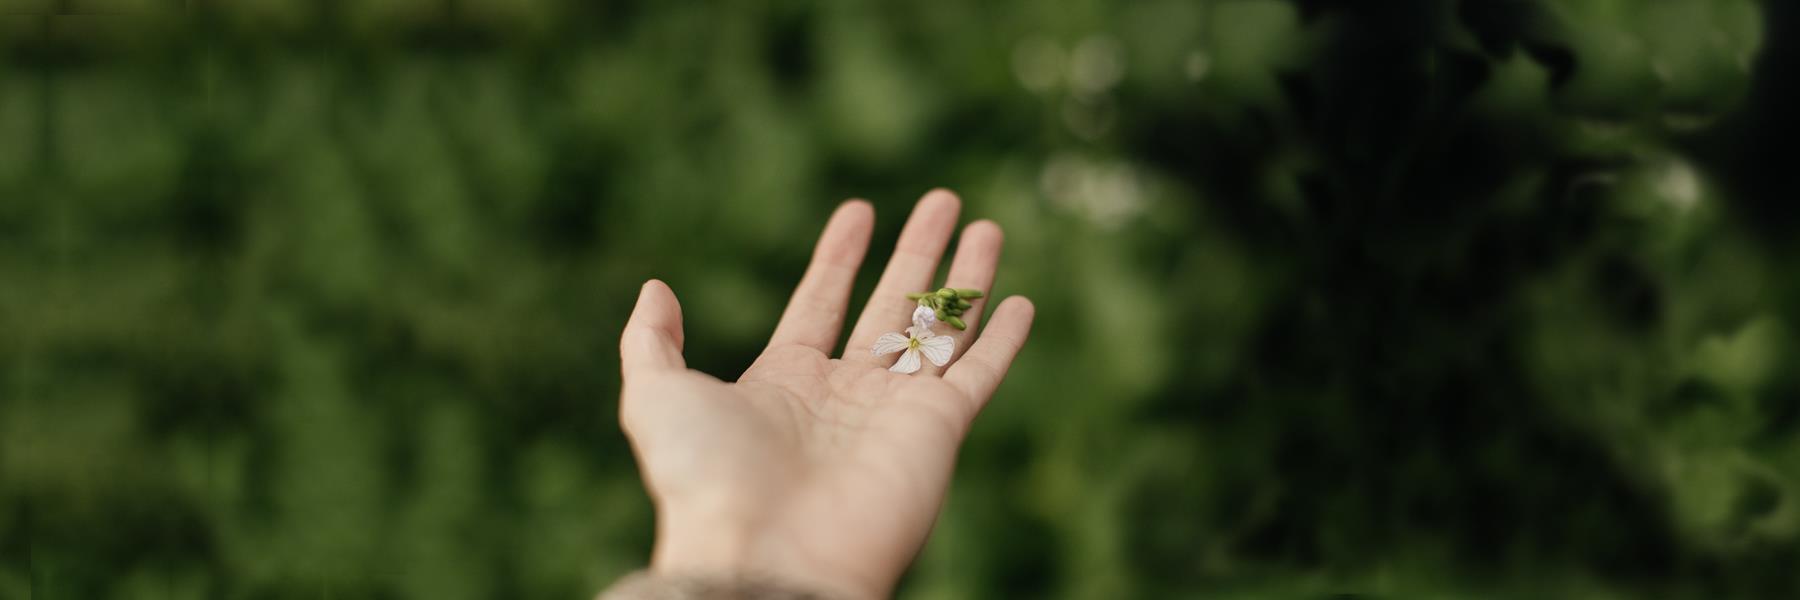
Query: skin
(820, 472)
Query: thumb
(652, 338)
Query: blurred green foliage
(1415, 299)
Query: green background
(320, 299)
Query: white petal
(924, 318)
(890, 343)
(938, 348)
(908, 363)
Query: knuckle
(634, 338)
(1008, 343)
(915, 255)
(981, 366)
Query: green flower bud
(956, 322)
(963, 304)
(969, 293)
(943, 316)
(947, 294)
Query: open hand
(817, 471)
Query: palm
(832, 463)
(819, 449)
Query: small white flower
(918, 340)
(924, 317)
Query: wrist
(652, 586)
(704, 547)
(725, 550)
